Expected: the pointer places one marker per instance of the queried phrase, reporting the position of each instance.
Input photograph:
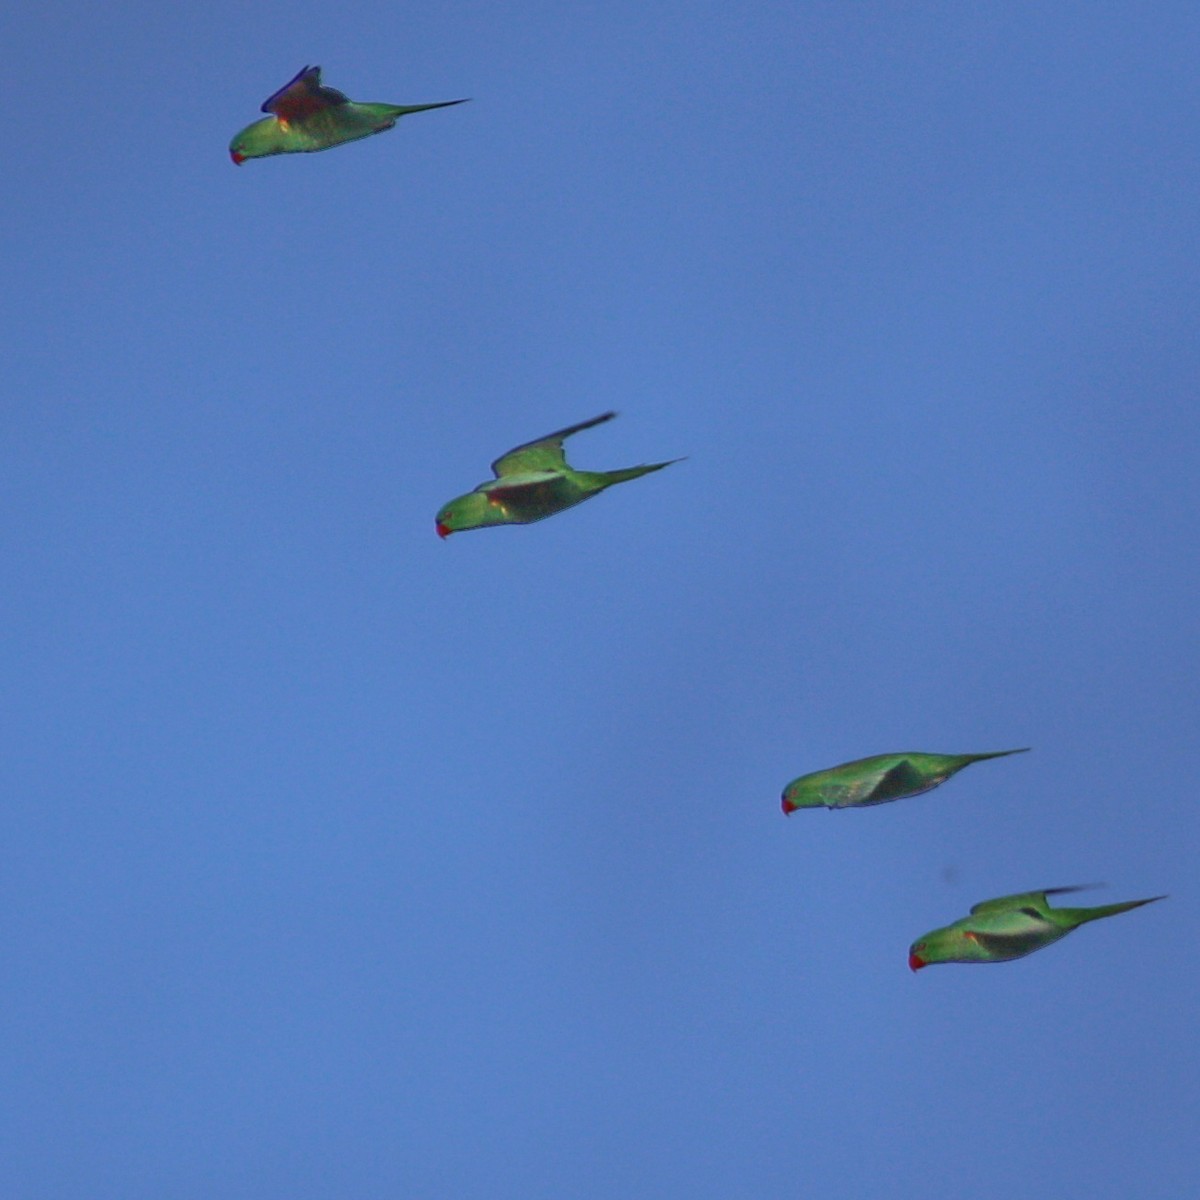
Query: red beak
(788, 807)
(238, 159)
(443, 531)
(915, 961)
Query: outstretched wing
(902, 780)
(1015, 943)
(546, 454)
(534, 498)
(302, 96)
(1021, 899)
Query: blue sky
(340, 861)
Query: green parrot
(533, 481)
(1009, 927)
(878, 779)
(306, 116)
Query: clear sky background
(342, 862)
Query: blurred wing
(902, 780)
(302, 96)
(534, 497)
(1013, 945)
(1036, 900)
(546, 454)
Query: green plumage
(1009, 927)
(306, 117)
(533, 481)
(878, 779)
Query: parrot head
(800, 794)
(942, 945)
(952, 944)
(240, 148)
(263, 138)
(467, 512)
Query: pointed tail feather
(402, 110)
(611, 477)
(1083, 915)
(998, 754)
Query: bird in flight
(1009, 927)
(304, 116)
(533, 481)
(878, 779)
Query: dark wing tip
(300, 76)
(1074, 887)
(590, 424)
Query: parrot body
(878, 779)
(1009, 927)
(533, 481)
(306, 117)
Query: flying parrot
(1009, 927)
(533, 481)
(306, 116)
(878, 779)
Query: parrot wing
(1012, 945)
(540, 495)
(1036, 900)
(901, 780)
(301, 96)
(545, 454)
